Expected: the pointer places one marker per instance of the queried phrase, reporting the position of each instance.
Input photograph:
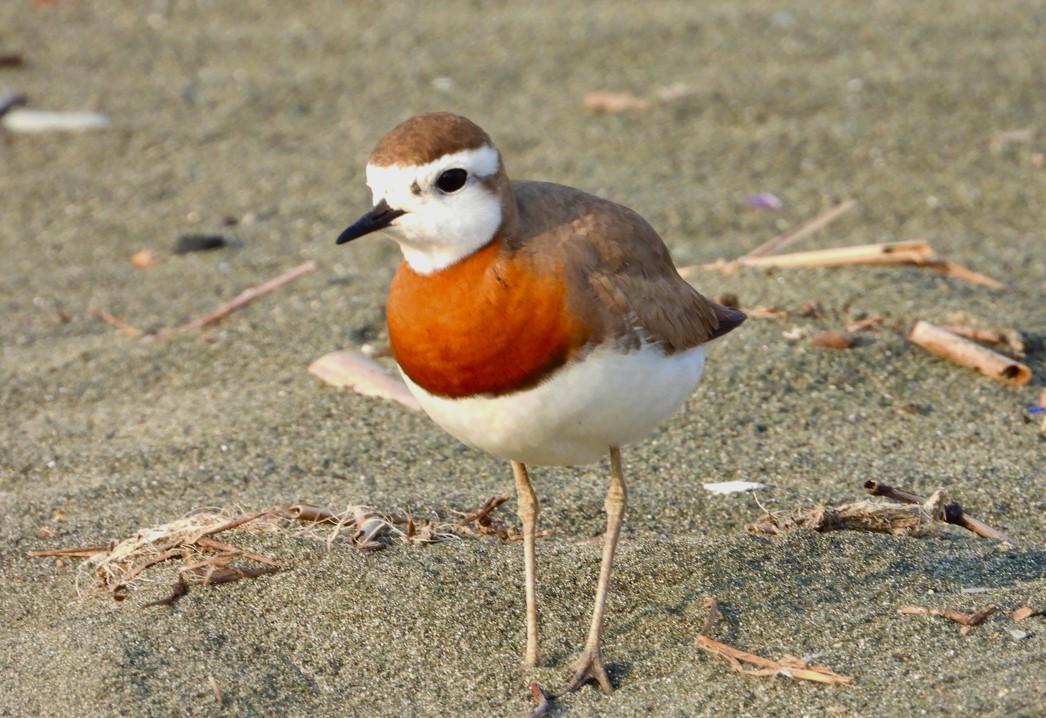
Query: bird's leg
(589, 665)
(528, 514)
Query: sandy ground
(266, 114)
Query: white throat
(439, 229)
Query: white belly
(574, 416)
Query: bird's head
(439, 190)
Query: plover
(531, 320)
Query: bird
(533, 321)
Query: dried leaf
(350, 368)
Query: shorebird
(541, 324)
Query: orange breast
(490, 324)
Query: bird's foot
(588, 668)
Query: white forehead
(479, 162)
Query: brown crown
(424, 138)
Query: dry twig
(804, 230)
(964, 352)
(125, 328)
(909, 254)
(242, 299)
(1001, 336)
(966, 620)
(789, 666)
(951, 512)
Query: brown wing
(620, 275)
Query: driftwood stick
(886, 491)
(952, 511)
(125, 328)
(885, 253)
(915, 253)
(311, 514)
(73, 552)
(1002, 336)
(952, 614)
(234, 523)
(167, 555)
(712, 618)
(788, 665)
(804, 230)
(964, 352)
(229, 574)
(207, 542)
(243, 299)
(481, 516)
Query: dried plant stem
(952, 512)
(786, 666)
(125, 328)
(73, 552)
(804, 230)
(943, 343)
(1003, 336)
(952, 614)
(243, 299)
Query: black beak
(379, 217)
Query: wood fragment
(74, 552)
(215, 688)
(229, 574)
(1026, 612)
(804, 230)
(832, 339)
(714, 614)
(864, 325)
(350, 368)
(951, 512)
(956, 349)
(208, 542)
(541, 699)
(951, 269)
(789, 666)
(885, 253)
(952, 614)
(311, 514)
(914, 253)
(874, 517)
(125, 328)
(1007, 337)
(242, 299)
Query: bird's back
(620, 276)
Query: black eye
(452, 180)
